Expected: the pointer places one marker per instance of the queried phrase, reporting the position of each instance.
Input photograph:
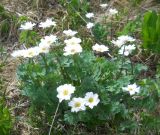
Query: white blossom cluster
(90, 24)
(29, 25)
(77, 104)
(43, 47)
(122, 43)
(72, 45)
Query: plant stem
(64, 74)
(111, 29)
(123, 61)
(53, 119)
(131, 65)
(45, 62)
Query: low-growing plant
(151, 31)
(5, 119)
(90, 86)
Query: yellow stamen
(77, 104)
(91, 100)
(65, 92)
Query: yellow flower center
(130, 89)
(77, 104)
(90, 100)
(73, 43)
(65, 92)
(72, 50)
(43, 49)
(30, 53)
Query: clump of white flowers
(132, 89)
(103, 5)
(90, 25)
(27, 26)
(65, 91)
(89, 15)
(100, 48)
(70, 32)
(113, 11)
(26, 53)
(48, 23)
(122, 43)
(91, 99)
(46, 43)
(126, 50)
(79, 104)
(43, 47)
(122, 40)
(72, 46)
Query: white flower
(132, 89)
(100, 48)
(126, 38)
(65, 91)
(118, 43)
(72, 49)
(77, 104)
(44, 48)
(103, 5)
(89, 15)
(91, 99)
(48, 40)
(73, 41)
(126, 50)
(18, 53)
(90, 25)
(47, 23)
(122, 40)
(31, 52)
(113, 11)
(69, 32)
(27, 26)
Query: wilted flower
(91, 99)
(70, 32)
(126, 50)
(77, 104)
(27, 26)
(65, 91)
(100, 48)
(89, 15)
(47, 23)
(113, 11)
(73, 41)
(90, 25)
(132, 89)
(72, 49)
(103, 5)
